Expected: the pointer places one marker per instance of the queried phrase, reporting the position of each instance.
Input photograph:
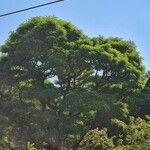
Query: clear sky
(129, 19)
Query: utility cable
(34, 7)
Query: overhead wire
(30, 8)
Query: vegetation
(134, 135)
(60, 89)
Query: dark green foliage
(141, 104)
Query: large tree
(78, 81)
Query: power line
(26, 9)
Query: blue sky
(129, 19)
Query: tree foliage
(56, 84)
(134, 135)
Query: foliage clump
(134, 135)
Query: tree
(65, 83)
